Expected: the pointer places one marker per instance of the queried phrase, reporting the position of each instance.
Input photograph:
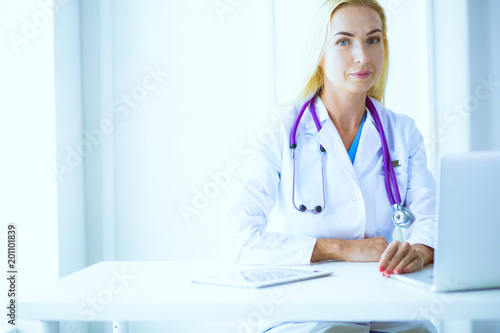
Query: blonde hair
(312, 76)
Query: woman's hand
(369, 249)
(401, 257)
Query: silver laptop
(467, 254)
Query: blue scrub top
(355, 143)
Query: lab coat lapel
(369, 145)
(330, 139)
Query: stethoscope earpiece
(316, 210)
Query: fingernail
(396, 271)
(406, 269)
(382, 268)
(388, 272)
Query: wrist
(327, 249)
(337, 249)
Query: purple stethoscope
(402, 216)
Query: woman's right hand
(369, 249)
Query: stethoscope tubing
(293, 145)
(386, 157)
(293, 134)
(389, 174)
(313, 211)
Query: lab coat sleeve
(421, 193)
(244, 237)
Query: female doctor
(341, 171)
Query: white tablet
(262, 276)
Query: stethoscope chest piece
(402, 216)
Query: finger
(388, 254)
(402, 252)
(415, 265)
(405, 261)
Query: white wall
(28, 194)
(407, 86)
(68, 103)
(449, 79)
(98, 130)
(189, 125)
(292, 23)
(484, 70)
(494, 9)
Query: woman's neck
(346, 110)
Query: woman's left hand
(401, 257)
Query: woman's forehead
(355, 20)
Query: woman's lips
(361, 75)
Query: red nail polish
(381, 268)
(396, 271)
(406, 269)
(388, 272)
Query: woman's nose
(360, 54)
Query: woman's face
(353, 54)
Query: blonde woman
(338, 199)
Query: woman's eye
(343, 42)
(374, 40)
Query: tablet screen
(262, 276)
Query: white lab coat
(263, 227)
(357, 205)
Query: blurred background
(124, 123)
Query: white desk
(162, 291)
